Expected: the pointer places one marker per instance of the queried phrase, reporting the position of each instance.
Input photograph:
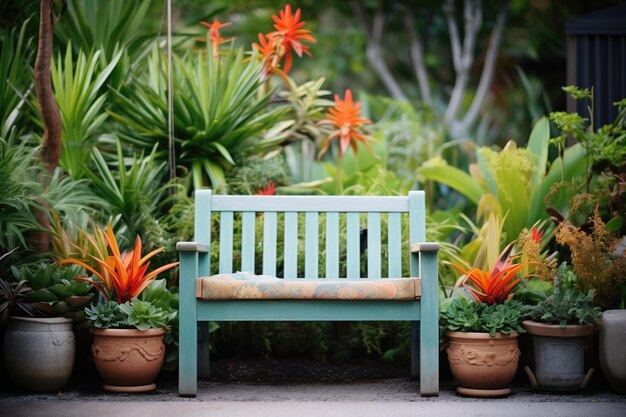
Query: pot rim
(537, 328)
(129, 332)
(49, 320)
(481, 335)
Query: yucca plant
(133, 191)
(221, 112)
(78, 92)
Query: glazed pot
(612, 352)
(559, 356)
(483, 365)
(128, 360)
(39, 352)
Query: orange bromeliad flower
(536, 234)
(121, 275)
(346, 121)
(288, 28)
(214, 35)
(495, 286)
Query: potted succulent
(560, 324)
(482, 333)
(39, 344)
(128, 347)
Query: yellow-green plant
(512, 182)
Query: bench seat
(244, 286)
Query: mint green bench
(327, 214)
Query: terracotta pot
(559, 356)
(39, 352)
(483, 365)
(128, 360)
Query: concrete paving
(309, 409)
(395, 397)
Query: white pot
(39, 352)
(612, 352)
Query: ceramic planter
(612, 352)
(483, 365)
(128, 360)
(39, 353)
(559, 356)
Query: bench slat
(332, 245)
(247, 241)
(394, 243)
(353, 244)
(360, 204)
(269, 243)
(311, 251)
(291, 245)
(226, 243)
(373, 245)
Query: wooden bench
(324, 219)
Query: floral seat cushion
(244, 286)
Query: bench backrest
(320, 218)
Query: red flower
(214, 35)
(536, 234)
(345, 120)
(269, 189)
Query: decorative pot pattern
(483, 365)
(39, 352)
(128, 360)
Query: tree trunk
(50, 151)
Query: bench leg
(429, 327)
(415, 349)
(188, 331)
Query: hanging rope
(171, 158)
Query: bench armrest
(424, 247)
(192, 247)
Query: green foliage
(142, 315)
(133, 192)
(54, 291)
(18, 192)
(253, 175)
(464, 315)
(16, 53)
(565, 304)
(221, 112)
(166, 299)
(105, 315)
(512, 182)
(78, 86)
